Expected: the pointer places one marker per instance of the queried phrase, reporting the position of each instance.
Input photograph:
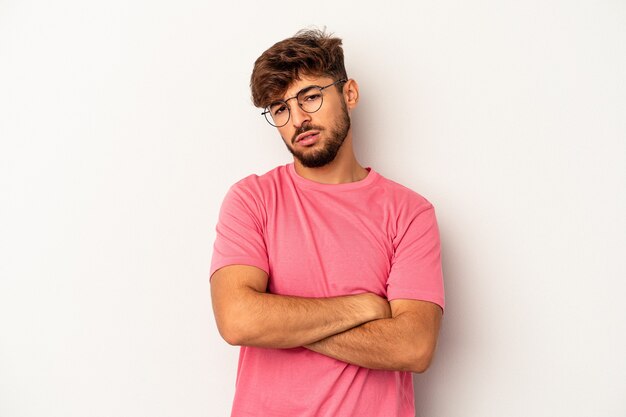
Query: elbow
(419, 360)
(232, 338)
(420, 365)
(234, 332)
(234, 323)
(242, 335)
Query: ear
(351, 93)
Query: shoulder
(403, 198)
(257, 186)
(249, 197)
(410, 213)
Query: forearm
(275, 321)
(394, 344)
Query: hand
(377, 306)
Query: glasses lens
(310, 100)
(277, 113)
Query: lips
(307, 136)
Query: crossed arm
(363, 329)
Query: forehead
(306, 81)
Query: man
(327, 274)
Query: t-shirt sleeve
(239, 236)
(416, 271)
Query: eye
(278, 108)
(312, 96)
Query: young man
(327, 274)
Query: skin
(344, 168)
(364, 329)
(247, 315)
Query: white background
(123, 123)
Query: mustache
(303, 129)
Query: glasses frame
(266, 111)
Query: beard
(315, 158)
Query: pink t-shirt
(324, 240)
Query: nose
(299, 116)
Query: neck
(343, 169)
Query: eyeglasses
(309, 99)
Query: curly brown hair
(310, 52)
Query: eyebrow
(281, 100)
